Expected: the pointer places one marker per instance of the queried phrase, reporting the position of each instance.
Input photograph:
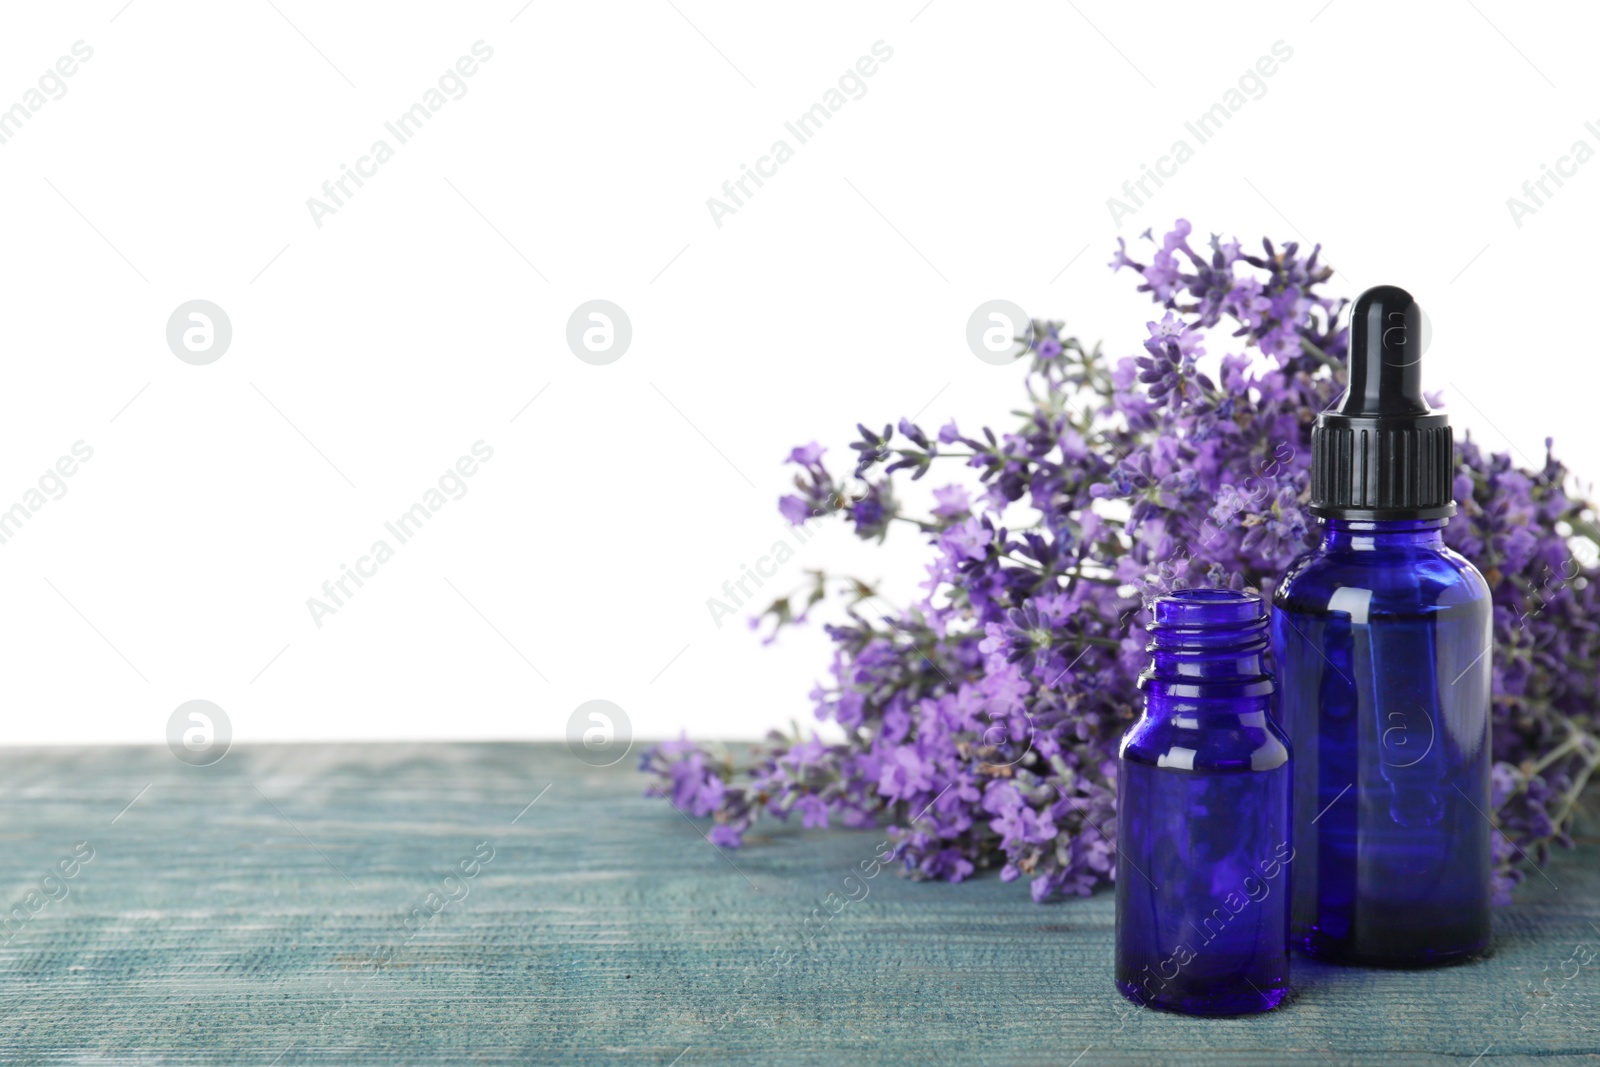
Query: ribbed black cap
(1384, 454)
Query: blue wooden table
(486, 904)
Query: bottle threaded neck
(1204, 638)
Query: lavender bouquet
(981, 722)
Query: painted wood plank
(309, 905)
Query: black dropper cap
(1384, 455)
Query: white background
(424, 314)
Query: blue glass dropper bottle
(1382, 638)
(1203, 787)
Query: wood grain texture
(253, 912)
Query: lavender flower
(981, 722)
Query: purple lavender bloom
(807, 455)
(725, 836)
(794, 510)
(904, 775)
(813, 812)
(951, 502)
(967, 541)
(1023, 825)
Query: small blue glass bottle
(1382, 641)
(1203, 790)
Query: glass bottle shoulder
(1406, 579)
(1207, 740)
